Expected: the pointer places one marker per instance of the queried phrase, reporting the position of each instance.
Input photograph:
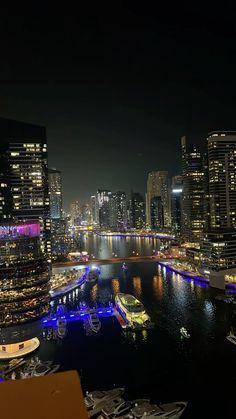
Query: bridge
(109, 261)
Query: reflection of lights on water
(157, 286)
(115, 285)
(93, 292)
(144, 335)
(137, 286)
(64, 299)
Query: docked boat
(133, 310)
(121, 409)
(13, 365)
(231, 338)
(162, 411)
(61, 327)
(226, 298)
(184, 333)
(37, 368)
(124, 267)
(96, 400)
(94, 322)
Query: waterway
(157, 362)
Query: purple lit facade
(19, 230)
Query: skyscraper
(103, 199)
(76, 213)
(137, 211)
(94, 209)
(158, 186)
(118, 211)
(222, 179)
(24, 193)
(176, 202)
(55, 191)
(194, 217)
(157, 213)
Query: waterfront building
(194, 173)
(118, 211)
(24, 193)
(158, 186)
(176, 202)
(137, 211)
(157, 213)
(104, 201)
(24, 284)
(219, 242)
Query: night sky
(116, 92)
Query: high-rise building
(86, 214)
(157, 213)
(94, 209)
(24, 193)
(24, 284)
(194, 216)
(103, 199)
(222, 179)
(76, 213)
(118, 211)
(137, 211)
(55, 192)
(176, 202)
(158, 186)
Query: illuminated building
(24, 191)
(137, 211)
(94, 209)
(176, 202)
(118, 211)
(157, 213)
(86, 214)
(103, 199)
(218, 249)
(24, 284)
(194, 216)
(76, 213)
(158, 186)
(55, 191)
(222, 179)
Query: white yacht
(231, 337)
(61, 327)
(162, 411)
(133, 310)
(184, 333)
(96, 400)
(94, 322)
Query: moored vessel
(133, 311)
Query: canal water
(158, 362)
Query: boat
(226, 298)
(133, 310)
(96, 400)
(13, 365)
(94, 322)
(113, 406)
(162, 411)
(124, 267)
(184, 333)
(231, 338)
(38, 368)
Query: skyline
(115, 97)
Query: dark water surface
(157, 362)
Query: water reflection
(157, 286)
(93, 292)
(115, 286)
(137, 286)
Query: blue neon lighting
(72, 315)
(54, 318)
(100, 312)
(45, 321)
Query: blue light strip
(77, 315)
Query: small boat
(124, 267)
(94, 322)
(112, 406)
(92, 276)
(96, 400)
(184, 333)
(162, 411)
(231, 338)
(61, 327)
